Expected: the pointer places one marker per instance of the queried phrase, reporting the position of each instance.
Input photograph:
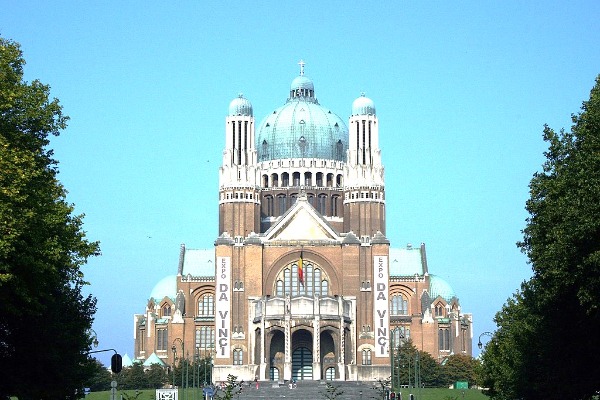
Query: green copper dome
(302, 128)
(363, 106)
(166, 287)
(439, 287)
(240, 106)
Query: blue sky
(462, 91)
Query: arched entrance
(302, 357)
(328, 356)
(276, 355)
(302, 364)
(330, 374)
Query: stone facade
(302, 282)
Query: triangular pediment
(302, 222)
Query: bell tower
(364, 189)
(239, 199)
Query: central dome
(302, 128)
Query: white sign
(223, 307)
(381, 313)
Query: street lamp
(174, 349)
(479, 344)
(93, 337)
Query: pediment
(303, 223)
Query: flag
(300, 270)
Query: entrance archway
(302, 357)
(276, 354)
(302, 364)
(330, 374)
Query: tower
(238, 190)
(364, 189)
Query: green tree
(100, 378)
(546, 344)
(156, 376)
(459, 367)
(133, 377)
(45, 317)
(413, 363)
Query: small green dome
(439, 287)
(363, 106)
(240, 106)
(166, 287)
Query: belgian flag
(300, 269)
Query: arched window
(444, 339)
(205, 337)
(313, 281)
(296, 178)
(308, 179)
(281, 204)
(366, 357)
(285, 179)
(269, 209)
(439, 310)
(206, 306)
(321, 204)
(334, 206)
(319, 179)
(274, 180)
(237, 357)
(265, 181)
(398, 305)
(166, 310)
(400, 334)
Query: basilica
(301, 281)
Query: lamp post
(174, 349)
(479, 344)
(93, 337)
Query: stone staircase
(307, 390)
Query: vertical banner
(223, 307)
(381, 303)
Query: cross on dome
(301, 64)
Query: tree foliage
(460, 367)
(546, 344)
(45, 316)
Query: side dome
(363, 106)
(439, 287)
(240, 106)
(166, 287)
(302, 128)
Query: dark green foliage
(45, 318)
(100, 378)
(413, 367)
(136, 377)
(460, 367)
(546, 345)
